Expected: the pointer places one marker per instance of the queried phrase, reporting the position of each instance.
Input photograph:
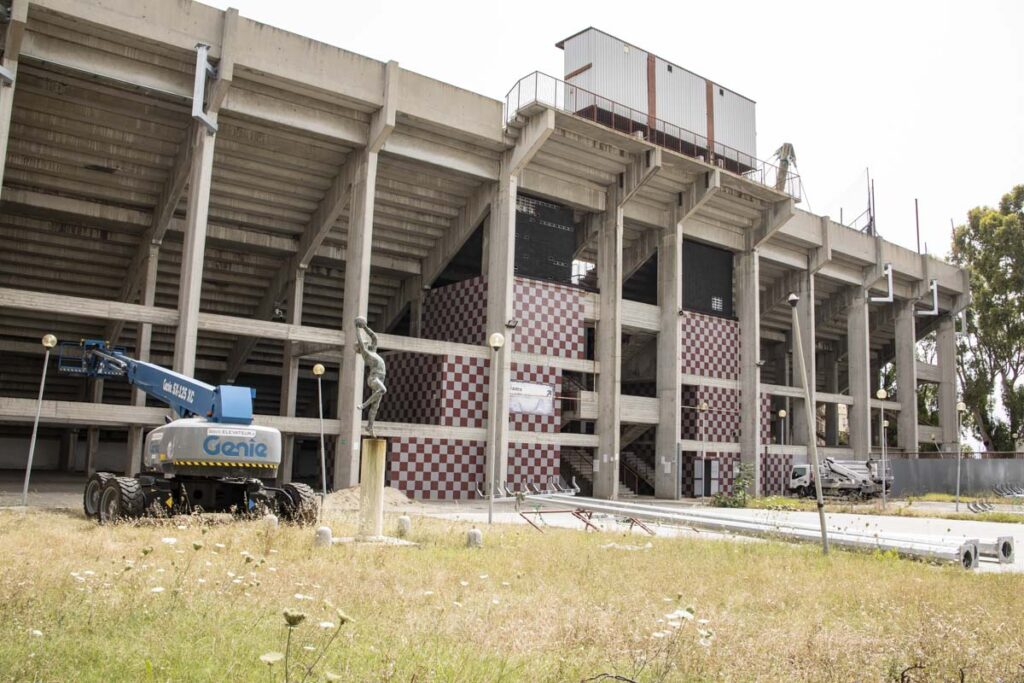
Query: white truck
(851, 478)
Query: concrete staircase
(579, 464)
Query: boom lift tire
(122, 498)
(93, 492)
(301, 507)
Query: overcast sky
(928, 95)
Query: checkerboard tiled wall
(550, 319)
(457, 313)
(774, 470)
(435, 469)
(711, 348)
(452, 390)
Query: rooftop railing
(540, 88)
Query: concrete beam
(640, 252)
(641, 169)
(833, 308)
(772, 219)
(779, 290)
(410, 292)
(698, 194)
(67, 209)
(469, 218)
(821, 256)
(383, 123)
(531, 139)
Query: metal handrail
(538, 87)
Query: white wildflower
(327, 625)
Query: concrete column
(193, 252)
(906, 376)
(667, 477)
(485, 250)
(68, 442)
(805, 314)
(748, 309)
(92, 442)
(859, 361)
(416, 308)
(357, 297)
(945, 347)
(12, 45)
(500, 258)
(830, 368)
(609, 347)
(290, 377)
(135, 440)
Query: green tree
(991, 246)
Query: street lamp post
(495, 341)
(782, 426)
(882, 394)
(812, 431)
(960, 408)
(48, 341)
(318, 370)
(702, 408)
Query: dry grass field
(183, 600)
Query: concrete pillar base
(371, 489)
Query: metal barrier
(540, 88)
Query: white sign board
(530, 398)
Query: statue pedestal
(371, 489)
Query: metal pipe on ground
(965, 553)
(1001, 548)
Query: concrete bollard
(474, 538)
(323, 537)
(371, 489)
(404, 526)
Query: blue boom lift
(209, 458)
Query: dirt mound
(348, 499)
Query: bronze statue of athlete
(374, 369)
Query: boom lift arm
(186, 396)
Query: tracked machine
(209, 457)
